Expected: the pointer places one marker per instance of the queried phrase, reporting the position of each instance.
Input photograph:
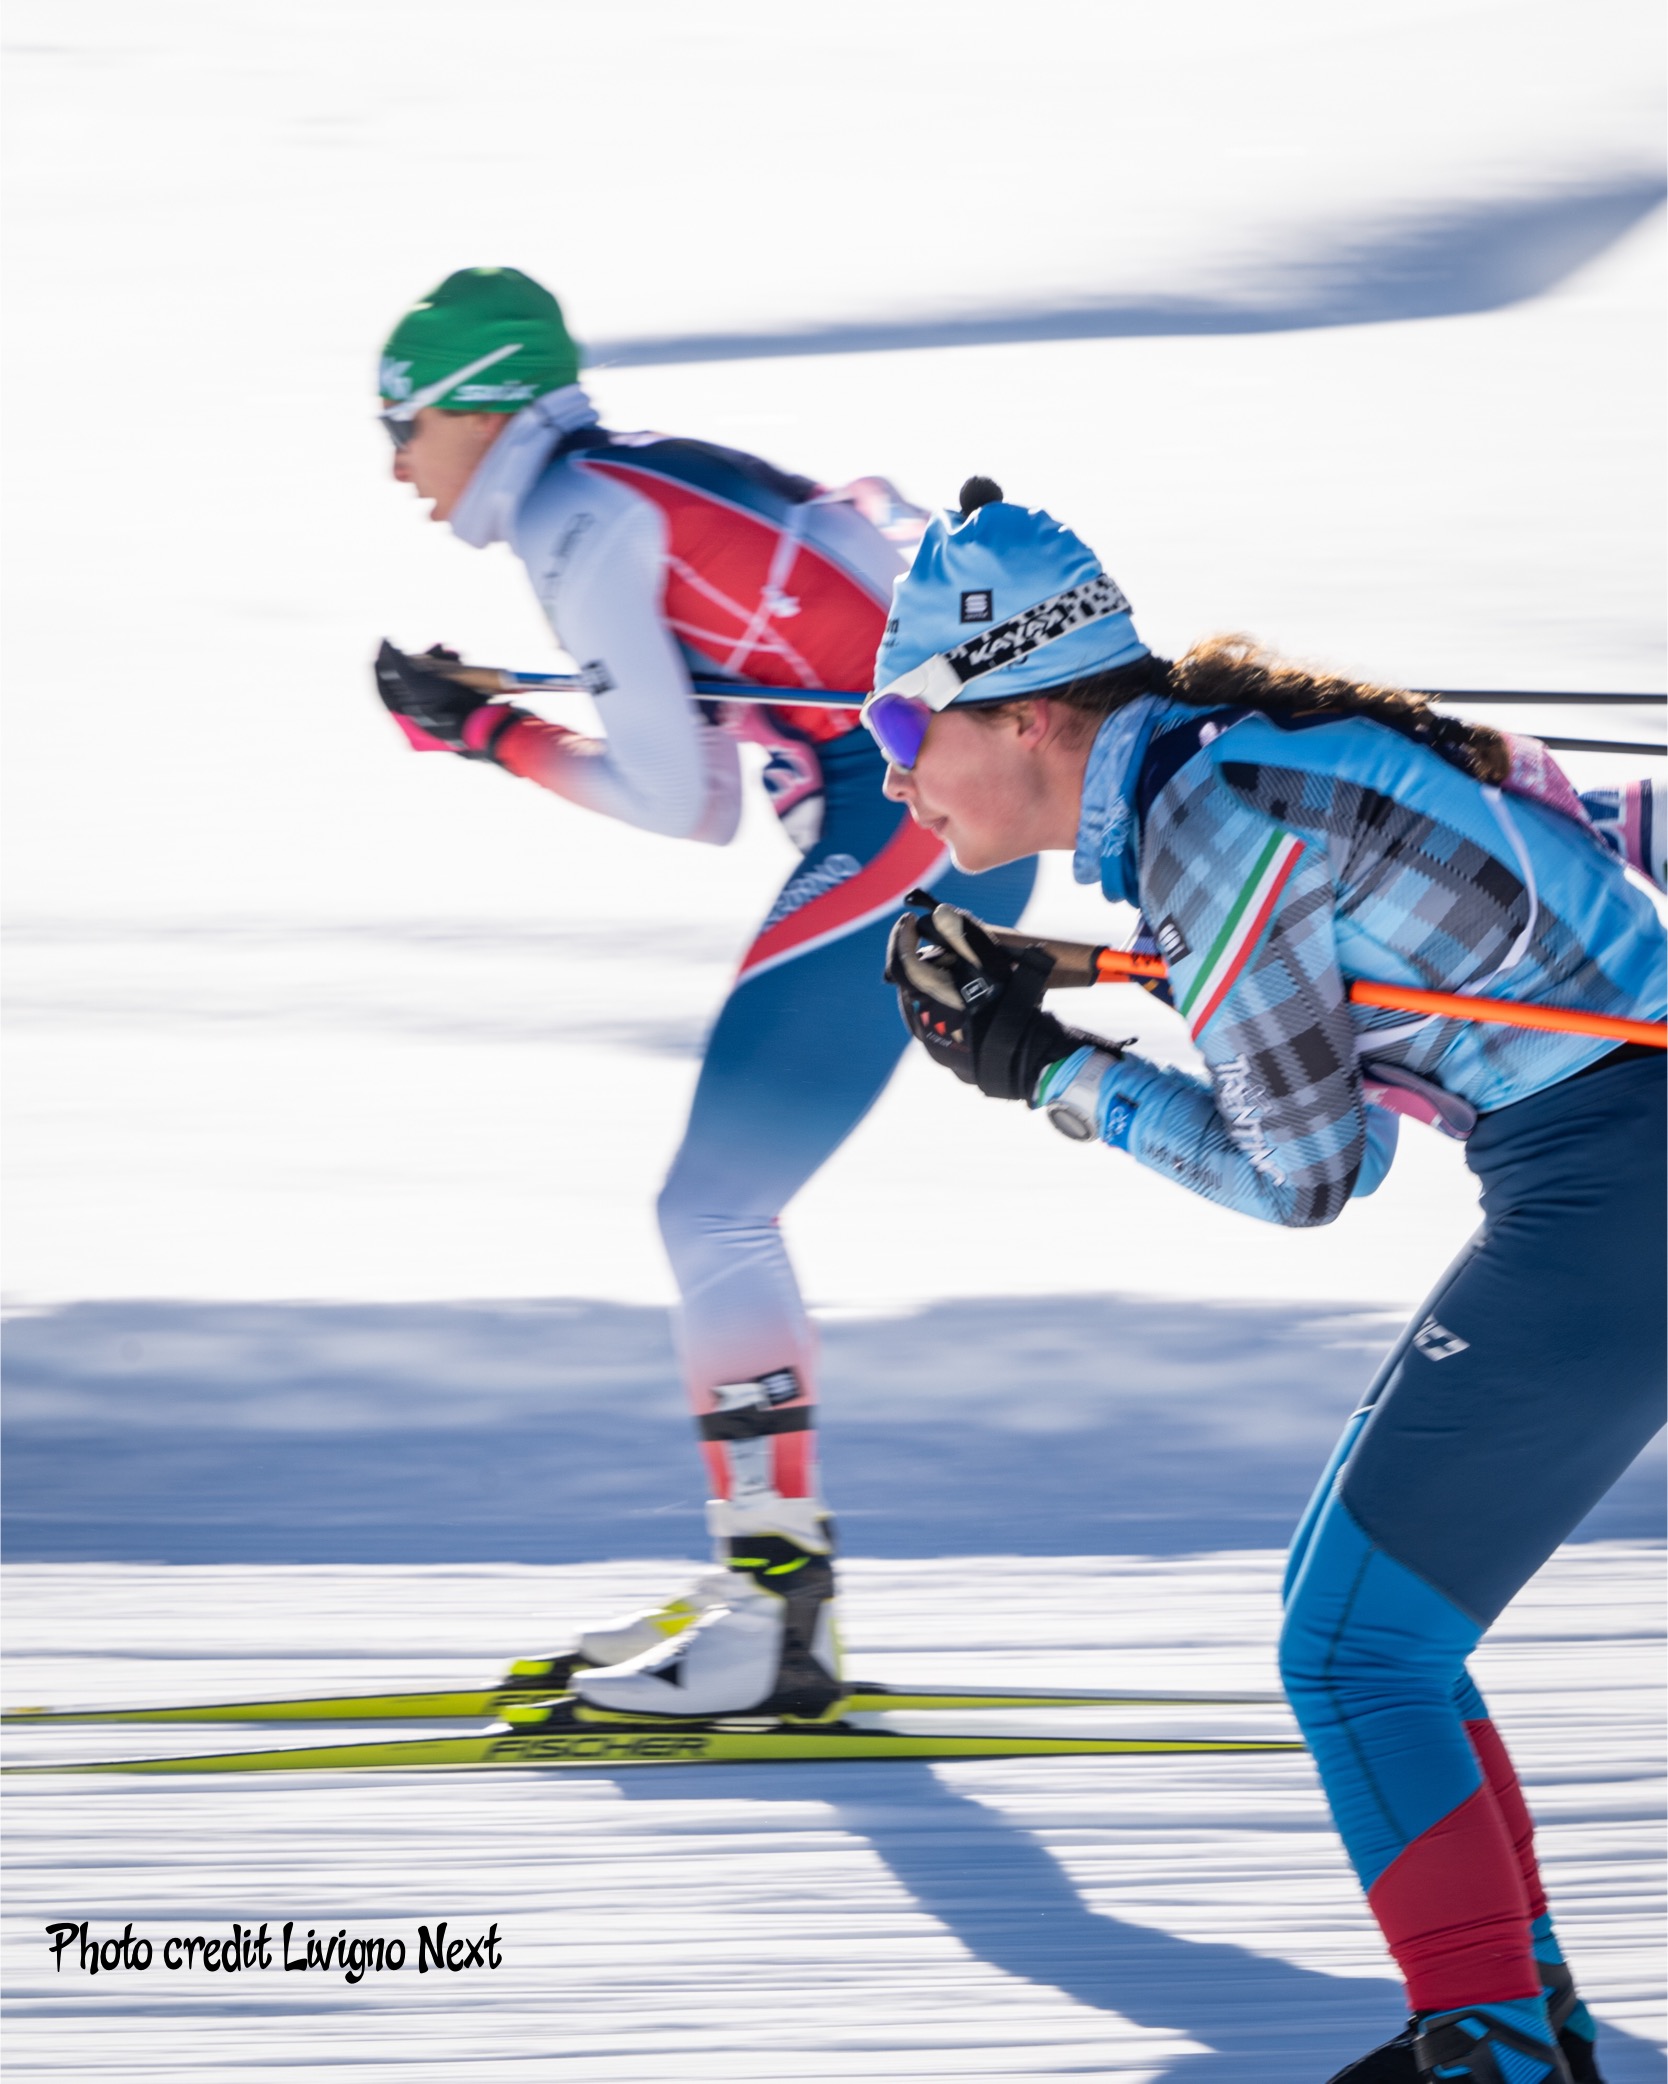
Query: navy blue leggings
(1522, 1389)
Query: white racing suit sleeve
(661, 765)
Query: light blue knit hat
(1001, 601)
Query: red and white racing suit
(655, 558)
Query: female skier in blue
(653, 558)
(1282, 834)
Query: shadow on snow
(997, 1889)
(554, 1432)
(1481, 257)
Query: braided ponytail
(1238, 673)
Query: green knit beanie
(487, 340)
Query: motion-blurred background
(340, 1081)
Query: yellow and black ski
(542, 1683)
(563, 1743)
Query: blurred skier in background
(654, 558)
(1282, 834)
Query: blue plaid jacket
(1273, 861)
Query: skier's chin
(973, 856)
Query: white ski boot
(652, 1628)
(615, 1642)
(767, 1645)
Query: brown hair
(1238, 673)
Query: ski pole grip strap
(1009, 1049)
(1073, 962)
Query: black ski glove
(439, 708)
(973, 1004)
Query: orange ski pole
(1562, 1020)
(1079, 962)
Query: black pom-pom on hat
(976, 493)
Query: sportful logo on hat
(1023, 633)
(976, 606)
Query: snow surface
(1138, 1918)
(1341, 325)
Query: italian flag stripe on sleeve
(1241, 930)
